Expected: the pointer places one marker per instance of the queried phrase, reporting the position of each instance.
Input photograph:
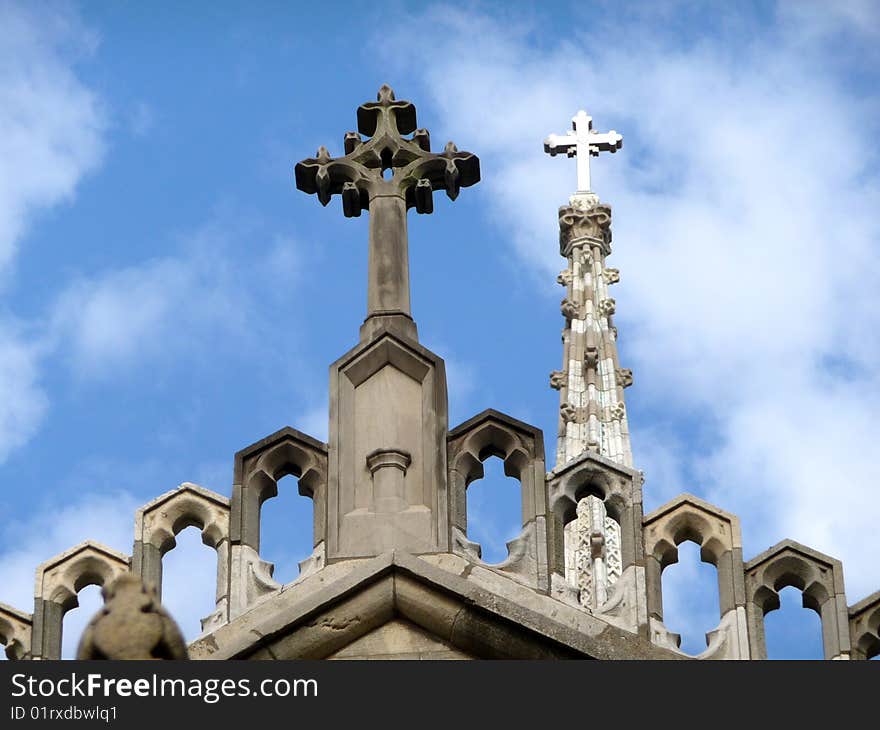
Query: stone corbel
(570, 413)
(611, 276)
(569, 309)
(564, 277)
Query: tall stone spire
(592, 414)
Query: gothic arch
(521, 449)
(258, 468)
(820, 580)
(718, 534)
(15, 632)
(59, 580)
(619, 488)
(864, 622)
(158, 523)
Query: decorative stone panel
(820, 579)
(620, 490)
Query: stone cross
(387, 174)
(582, 142)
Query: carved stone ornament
(624, 377)
(558, 379)
(564, 277)
(415, 171)
(576, 225)
(569, 309)
(131, 625)
(611, 276)
(591, 356)
(607, 307)
(568, 412)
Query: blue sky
(167, 297)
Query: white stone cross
(582, 142)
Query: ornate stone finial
(579, 226)
(582, 142)
(415, 171)
(387, 174)
(131, 625)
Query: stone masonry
(393, 572)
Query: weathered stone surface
(15, 632)
(399, 639)
(131, 625)
(58, 582)
(819, 577)
(388, 394)
(157, 524)
(864, 622)
(318, 620)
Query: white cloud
(315, 421)
(105, 518)
(743, 229)
(51, 136)
(51, 125)
(22, 401)
(166, 308)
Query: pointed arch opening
(793, 628)
(189, 580)
(691, 606)
(286, 534)
(84, 606)
(494, 509)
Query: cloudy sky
(167, 297)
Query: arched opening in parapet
(287, 529)
(690, 597)
(793, 631)
(89, 602)
(494, 510)
(189, 581)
